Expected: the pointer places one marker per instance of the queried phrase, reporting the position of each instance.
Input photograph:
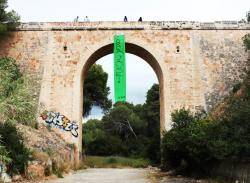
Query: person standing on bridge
(86, 19)
(76, 19)
(125, 19)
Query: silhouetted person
(86, 19)
(140, 19)
(125, 19)
(76, 19)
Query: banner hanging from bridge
(119, 68)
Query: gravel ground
(114, 175)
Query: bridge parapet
(147, 25)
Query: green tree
(120, 132)
(122, 121)
(97, 142)
(185, 146)
(95, 90)
(93, 133)
(127, 130)
(138, 126)
(151, 115)
(8, 19)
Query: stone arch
(132, 49)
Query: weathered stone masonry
(196, 63)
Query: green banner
(119, 68)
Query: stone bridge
(196, 63)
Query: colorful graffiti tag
(60, 121)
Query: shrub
(17, 95)
(181, 118)
(246, 41)
(197, 145)
(13, 142)
(184, 147)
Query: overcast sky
(67, 10)
(140, 75)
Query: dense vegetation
(17, 96)
(16, 106)
(126, 130)
(198, 143)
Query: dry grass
(41, 156)
(113, 162)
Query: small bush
(246, 41)
(181, 118)
(13, 142)
(17, 94)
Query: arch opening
(135, 50)
(131, 49)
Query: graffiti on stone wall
(60, 121)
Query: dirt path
(114, 175)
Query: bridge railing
(150, 25)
